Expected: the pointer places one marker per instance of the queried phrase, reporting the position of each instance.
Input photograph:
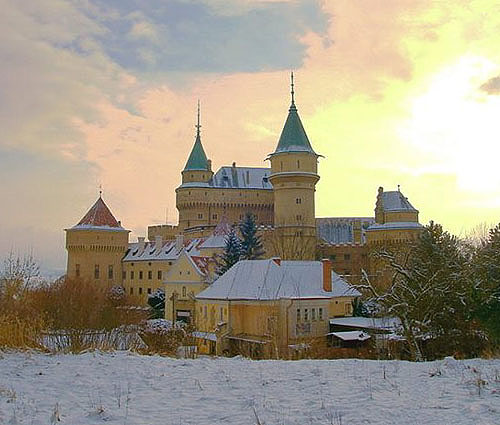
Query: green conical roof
(197, 159)
(293, 137)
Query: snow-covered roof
(218, 237)
(395, 225)
(266, 280)
(165, 250)
(232, 177)
(338, 230)
(396, 201)
(205, 335)
(351, 335)
(242, 178)
(380, 323)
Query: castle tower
(294, 174)
(96, 246)
(198, 168)
(195, 177)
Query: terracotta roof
(99, 216)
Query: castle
(180, 258)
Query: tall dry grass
(67, 315)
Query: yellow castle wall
(90, 248)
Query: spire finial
(399, 188)
(292, 91)
(100, 191)
(198, 125)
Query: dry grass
(76, 315)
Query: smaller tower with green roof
(198, 168)
(294, 174)
(191, 195)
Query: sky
(104, 92)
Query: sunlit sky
(104, 92)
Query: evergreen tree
(232, 253)
(251, 245)
(487, 272)
(432, 293)
(156, 301)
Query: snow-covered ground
(126, 388)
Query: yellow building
(264, 308)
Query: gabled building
(265, 307)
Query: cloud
(492, 86)
(186, 36)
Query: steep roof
(266, 280)
(339, 230)
(396, 201)
(197, 159)
(232, 177)
(293, 136)
(99, 217)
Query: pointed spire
(197, 159)
(293, 137)
(198, 125)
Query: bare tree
(18, 274)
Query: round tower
(96, 246)
(196, 175)
(294, 174)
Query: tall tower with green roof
(294, 174)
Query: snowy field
(125, 388)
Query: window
(200, 216)
(131, 291)
(110, 272)
(150, 274)
(306, 314)
(298, 201)
(281, 165)
(96, 271)
(320, 313)
(132, 275)
(347, 257)
(140, 291)
(124, 275)
(298, 315)
(183, 291)
(140, 274)
(159, 274)
(298, 164)
(313, 314)
(214, 216)
(149, 290)
(299, 217)
(221, 314)
(77, 270)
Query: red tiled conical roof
(99, 216)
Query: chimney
(277, 260)
(209, 164)
(327, 275)
(158, 242)
(179, 242)
(141, 242)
